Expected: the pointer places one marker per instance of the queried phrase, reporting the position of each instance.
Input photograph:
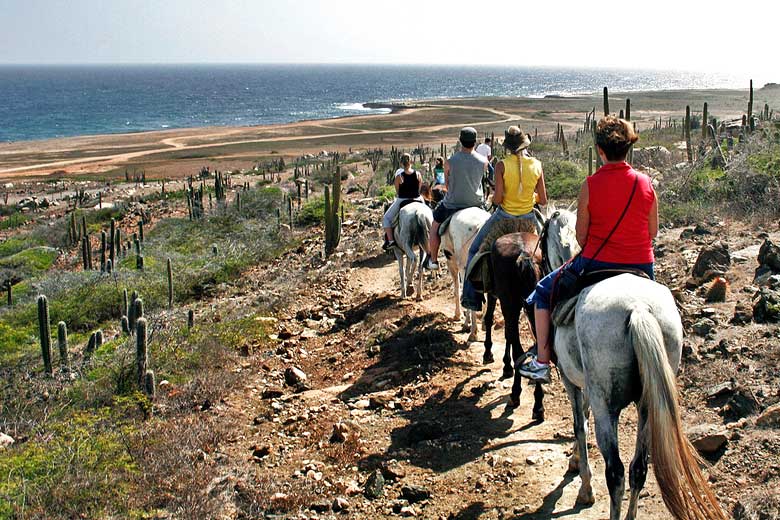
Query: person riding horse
(617, 219)
(463, 173)
(519, 182)
(439, 185)
(407, 187)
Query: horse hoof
(537, 416)
(574, 464)
(472, 338)
(585, 497)
(514, 402)
(508, 373)
(488, 358)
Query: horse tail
(422, 231)
(675, 462)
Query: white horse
(624, 347)
(413, 229)
(455, 242)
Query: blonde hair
(406, 159)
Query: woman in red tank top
(616, 187)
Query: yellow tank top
(520, 178)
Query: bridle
(546, 265)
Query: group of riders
(612, 234)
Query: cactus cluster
(169, 273)
(141, 351)
(687, 132)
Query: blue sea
(42, 102)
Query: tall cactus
(102, 251)
(751, 124)
(169, 272)
(590, 160)
(112, 244)
(85, 253)
(190, 319)
(124, 302)
(44, 332)
(62, 344)
(141, 230)
(606, 101)
(705, 121)
(332, 218)
(90, 348)
(687, 131)
(149, 384)
(628, 110)
(10, 296)
(141, 351)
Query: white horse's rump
(624, 347)
(413, 229)
(462, 229)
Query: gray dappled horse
(413, 229)
(622, 347)
(518, 262)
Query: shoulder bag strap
(625, 210)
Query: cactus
(44, 332)
(137, 245)
(590, 160)
(332, 220)
(109, 267)
(139, 262)
(190, 319)
(214, 250)
(118, 242)
(90, 348)
(131, 316)
(704, 121)
(124, 302)
(125, 325)
(139, 309)
(149, 384)
(606, 101)
(112, 245)
(84, 254)
(9, 288)
(717, 290)
(62, 344)
(141, 351)
(628, 110)
(750, 122)
(238, 199)
(141, 230)
(102, 251)
(687, 132)
(169, 272)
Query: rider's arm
(652, 221)
(397, 183)
(541, 190)
(498, 195)
(583, 215)
(447, 174)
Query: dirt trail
(174, 143)
(537, 453)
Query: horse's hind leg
(419, 274)
(455, 285)
(411, 262)
(513, 349)
(401, 272)
(487, 324)
(537, 415)
(637, 472)
(579, 458)
(606, 436)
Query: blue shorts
(541, 296)
(442, 212)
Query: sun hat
(515, 139)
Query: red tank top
(609, 190)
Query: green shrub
(15, 220)
(563, 179)
(386, 193)
(311, 213)
(26, 264)
(766, 162)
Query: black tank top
(410, 187)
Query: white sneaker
(430, 265)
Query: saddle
(401, 206)
(565, 299)
(479, 271)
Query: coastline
(408, 123)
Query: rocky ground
(373, 407)
(369, 406)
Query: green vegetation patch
(563, 179)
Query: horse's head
(561, 236)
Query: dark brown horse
(516, 265)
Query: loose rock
(294, 376)
(713, 258)
(415, 494)
(375, 485)
(707, 438)
(5, 441)
(770, 417)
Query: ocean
(42, 102)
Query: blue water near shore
(41, 102)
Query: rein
(546, 266)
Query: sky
(663, 34)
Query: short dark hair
(488, 140)
(615, 136)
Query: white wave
(359, 107)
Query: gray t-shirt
(465, 182)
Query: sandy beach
(174, 153)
